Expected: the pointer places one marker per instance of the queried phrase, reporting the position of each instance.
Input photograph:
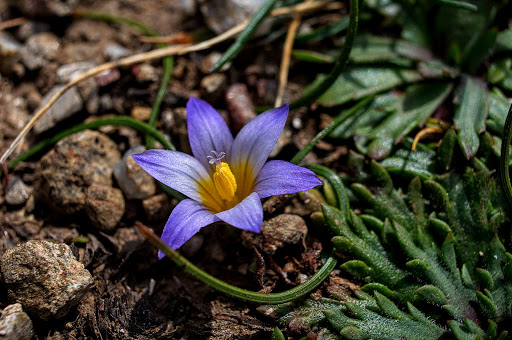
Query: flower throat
(223, 178)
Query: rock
(39, 49)
(32, 8)
(213, 85)
(145, 73)
(44, 277)
(17, 192)
(276, 233)
(30, 28)
(240, 106)
(9, 52)
(132, 179)
(141, 113)
(104, 205)
(15, 324)
(157, 207)
(221, 15)
(88, 88)
(208, 61)
(75, 163)
(67, 105)
(113, 51)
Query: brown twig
(12, 23)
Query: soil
(135, 295)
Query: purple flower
(226, 178)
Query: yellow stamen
(225, 182)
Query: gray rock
(44, 7)
(45, 278)
(145, 73)
(276, 233)
(39, 49)
(68, 72)
(88, 88)
(9, 52)
(240, 106)
(132, 179)
(113, 51)
(68, 104)
(17, 192)
(75, 163)
(15, 324)
(213, 86)
(104, 205)
(221, 15)
(208, 61)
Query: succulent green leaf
(470, 113)
(356, 83)
(432, 294)
(277, 335)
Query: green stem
(340, 64)
(117, 121)
(505, 148)
(325, 132)
(168, 63)
(116, 20)
(244, 36)
(243, 294)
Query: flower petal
(207, 131)
(254, 142)
(246, 215)
(280, 177)
(175, 169)
(185, 221)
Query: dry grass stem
(156, 54)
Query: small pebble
(221, 15)
(9, 52)
(192, 246)
(68, 104)
(17, 192)
(141, 113)
(15, 324)
(208, 61)
(145, 73)
(213, 86)
(68, 72)
(132, 179)
(45, 278)
(157, 207)
(240, 106)
(276, 233)
(39, 49)
(113, 51)
(104, 206)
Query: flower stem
(340, 64)
(243, 294)
(504, 159)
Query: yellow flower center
(224, 181)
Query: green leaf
(368, 49)
(470, 113)
(432, 294)
(356, 83)
(480, 50)
(418, 105)
(445, 153)
(312, 57)
(277, 335)
(504, 41)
